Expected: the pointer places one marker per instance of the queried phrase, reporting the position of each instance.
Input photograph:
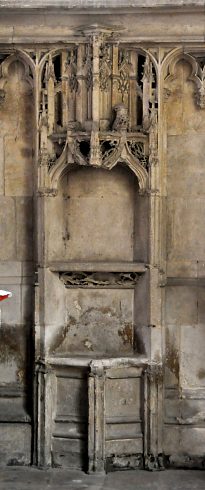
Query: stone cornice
(101, 4)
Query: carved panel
(100, 279)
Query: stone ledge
(97, 4)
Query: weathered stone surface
(113, 187)
(118, 480)
(8, 228)
(92, 200)
(96, 322)
(15, 445)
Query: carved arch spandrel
(63, 165)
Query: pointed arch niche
(98, 248)
(97, 143)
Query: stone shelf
(77, 360)
(139, 267)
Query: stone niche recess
(97, 140)
(99, 230)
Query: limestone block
(11, 309)
(182, 268)
(97, 321)
(186, 441)
(18, 167)
(192, 372)
(12, 353)
(69, 453)
(72, 397)
(193, 438)
(186, 229)
(10, 269)
(55, 294)
(192, 411)
(8, 369)
(186, 165)
(172, 355)
(28, 269)
(7, 228)
(172, 410)
(97, 216)
(15, 444)
(122, 398)
(181, 305)
(12, 408)
(171, 439)
(24, 227)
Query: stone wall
(16, 265)
(115, 253)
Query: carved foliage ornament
(73, 111)
(105, 66)
(124, 66)
(88, 65)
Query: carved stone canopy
(97, 107)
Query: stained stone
(102, 239)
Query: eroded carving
(137, 149)
(78, 92)
(197, 76)
(121, 118)
(100, 279)
(124, 65)
(72, 68)
(105, 66)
